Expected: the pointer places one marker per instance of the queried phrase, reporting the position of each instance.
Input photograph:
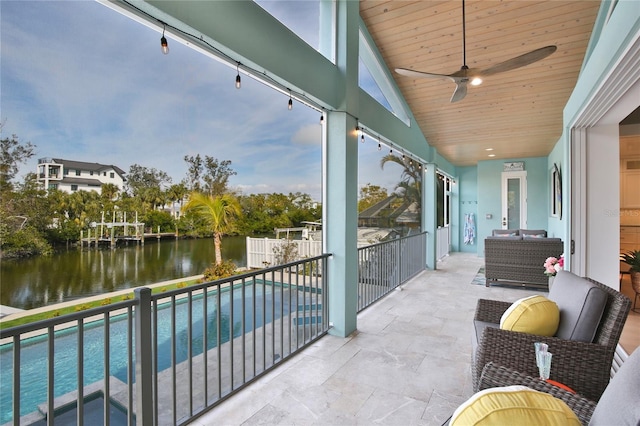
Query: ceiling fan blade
(460, 92)
(520, 61)
(420, 74)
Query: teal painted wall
(467, 184)
(555, 224)
(489, 182)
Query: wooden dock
(111, 233)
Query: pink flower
(552, 265)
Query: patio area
(409, 362)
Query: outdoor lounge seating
(591, 319)
(516, 256)
(619, 404)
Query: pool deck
(8, 310)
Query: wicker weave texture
(519, 261)
(498, 376)
(584, 367)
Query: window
(77, 172)
(74, 187)
(443, 200)
(112, 175)
(104, 173)
(91, 173)
(53, 186)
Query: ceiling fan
(474, 76)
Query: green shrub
(217, 271)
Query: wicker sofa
(516, 256)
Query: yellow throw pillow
(533, 315)
(513, 405)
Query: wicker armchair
(584, 367)
(498, 376)
(618, 405)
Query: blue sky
(83, 82)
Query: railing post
(144, 373)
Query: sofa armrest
(499, 376)
(584, 367)
(490, 310)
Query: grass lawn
(82, 306)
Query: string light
(379, 144)
(321, 117)
(390, 151)
(238, 80)
(290, 105)
(403, 158)
(164, 46)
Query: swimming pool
(33, 374)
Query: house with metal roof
(71, 176)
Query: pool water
(33, 354)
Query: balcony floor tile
(407, 364)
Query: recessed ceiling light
(488, 149)
(492, 155)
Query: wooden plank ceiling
(517, 113)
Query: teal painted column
(341, 220)
(429, 220)
(341, 177)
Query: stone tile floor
(407, 364)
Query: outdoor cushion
(619, 402)
(532, 315)
(581, 305)
(505, 237)
(533, 233)
(505, 232)
(513, 405)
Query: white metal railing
(260, 251)
(384, 266)
(188, 349)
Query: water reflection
(72, 274)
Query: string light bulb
(379, 144)
(238, 79)
(321, 117)
(390, 151)
(362, 137)
(290, 105)
(164, 46)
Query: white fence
(260, 252)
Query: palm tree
(220, 212)
(410, 187)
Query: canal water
(76, 273)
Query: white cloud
(83, 82)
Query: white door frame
(522, 177)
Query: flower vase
(551, 278)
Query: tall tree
(175, 194)
(12, 153)
(147, 183)
(208, 175)
(370, 195)
(220, 213)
